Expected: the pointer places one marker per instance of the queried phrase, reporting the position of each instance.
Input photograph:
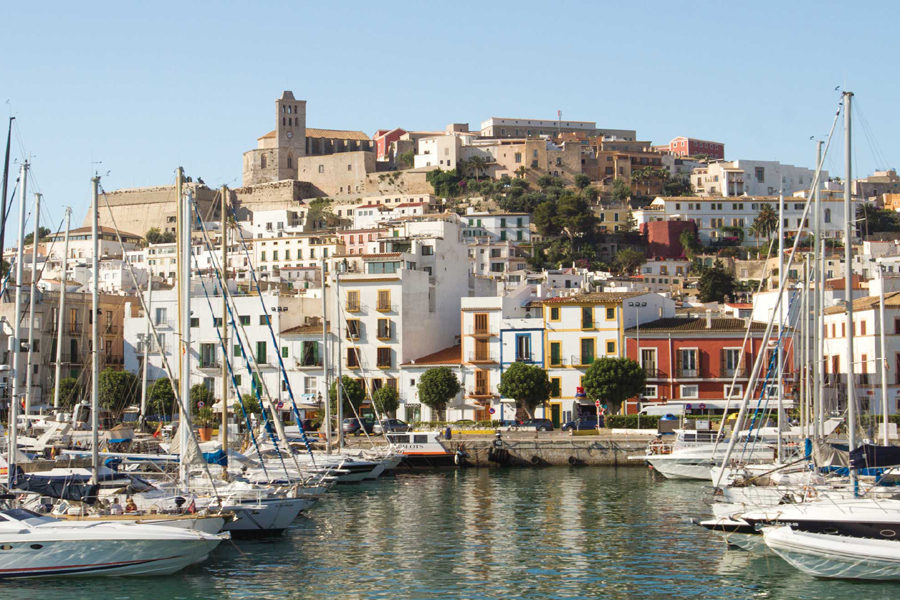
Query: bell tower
(290, 123)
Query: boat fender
(810, 492)
(536, 460)
(574, 461)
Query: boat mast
(782, 285)
(95, 346)
(61, 317)
(803, 372)
(848, 284)
(884, 363)
(325, 363)
(338, 382)
(184, 325)
(224, 273)
(15, 341)
(5, 183)
(819, 306)
(32, 290)
(145, 371)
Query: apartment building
(515, 227)
(752, 178)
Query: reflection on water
(528, 534)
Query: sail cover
(869, 455)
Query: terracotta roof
(304, 329)
(271, 134)
(840, 283)
(447, 356)
(100, 229)
(891, 299)
(593, 297)
(739, 304)
(336, 133)
(698, 324)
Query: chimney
(708, 319)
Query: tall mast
(32, 290)
(4, 185)
(145, 371)
(819, 306)
(184, 324)
(849, 220)
(224, 278)
(325, 363)
(15, 341)
(884, 363)
(95, 346)
(338, 382)
(61, 317)
(782, 276)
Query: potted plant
(204, 420)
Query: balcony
(739, 372)
(480, 392)
(307, 363)
(386, 308)
(210, 365)
(524, 358)
(111, 329)
(68, 359)
(687, 373)
(353, 307)
(481, 357)
(113, 360)
(654, 373)
(582, 361)
(480, 332)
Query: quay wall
(557, 451)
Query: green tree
(871, 219)
(319, 215)
(582, 181)
(444, 183)
(628, 259)
(407, 159)
(715, 283)
(69, 391)
(386, 400)
(620, 191)
(437, 387)
(352, 395)
(521, 171)
(118, 389)
(612, 381)
(678, 185)
(766, 221)
(544, 218)
(155, 236)
(201, 393)
(528, 385)
(43, 232)
(690, 244)
(251, 405)
(161, 396)
(477, 164)
(574, 216)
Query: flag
(158, 431)
(192, 508)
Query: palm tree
(766, 222)
(520, 172)
(477, 163)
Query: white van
(658, 410)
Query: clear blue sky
(147, 87)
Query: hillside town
(551, 243)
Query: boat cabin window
(397, 438)
(19, 514)
(420, 439)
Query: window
(731, 362)
(284, 352)
(321, 168)
(236, 351)
(352, 358)
(384, 300)
(555, 354)
(482, 386)
(263, 319)
(384, 329)
(207, 355)
(648, 361)
(523, 347)
(482, 352)
(689, 391)
(733, 392)
(309, 354)
(554, 313)
(353, 300)
(687, 362)
(518, 157)
(261, 353)
(610, 347)
(555, 387)
(587, 351)
(244, 319)
(195, 321)
(610, 314)
(827, 217)
(384, 358)
(862, 328)
(160, 316)
(650, 391)
(760, 173)
(481, 323)
(427, 250)
(587, 317)
(352, 329)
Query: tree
(69, 391)
(437, 387)
(154, 236)
(352, 395)
(620, 191)
(521, 171)
(386, 400)
(444, 183)
(582, 181)
(201, 393)
(544, 218)
(613, 380)
(527, 384)
(715, 283)
(690, 244)
(628, 259)
(477, 164)
(871, 219)
(407, 159)
(251, 405)
(161, 396)
(118, 389)
(766, 222)
(319, 215)
(43, 232)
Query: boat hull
(270, 516)
(833, 556)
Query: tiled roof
(891, 299)
(447, 356)
(336, 133)
(304, 329)
(600, 297)
(673, 324)
(269, 135)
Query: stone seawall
(537, 451)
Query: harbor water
(483, 534)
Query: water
(479, 534)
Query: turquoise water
(479, 534)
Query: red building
(692, 361)
(685, 146)
(664, 237)
(383, 140)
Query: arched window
(828, 215)
(283, 121)
(290, 162)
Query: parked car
(537, 425)
(390, 426)
(507, 425)
(582, 423)
(357, 426)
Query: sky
(133, 90)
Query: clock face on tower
(290, 134)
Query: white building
(501, 260)
(515, 227)
(752, 178)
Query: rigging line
(871, 138)
(40, 274)
(162, 352)
(239, 328)
(234, 382)
(283, 370)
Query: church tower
(275, 157)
